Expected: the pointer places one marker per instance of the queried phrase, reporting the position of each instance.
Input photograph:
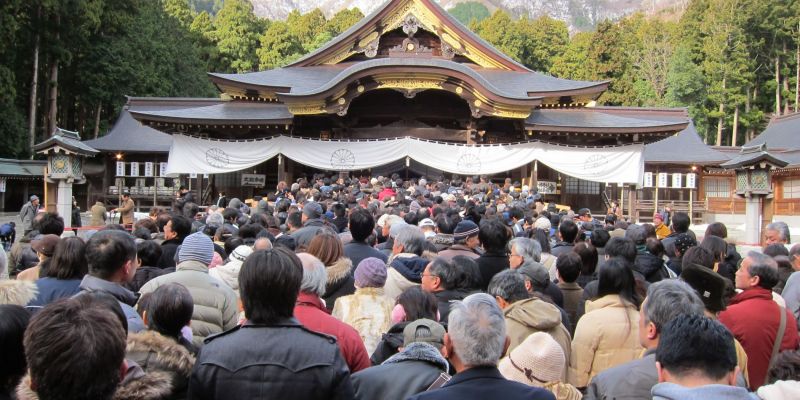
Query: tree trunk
(97, 120)
(721, 117)
(747, 106)
(785, 85)
(797, 73)
(777, 85)
(735, 125)
(53, 112)
(34, 89)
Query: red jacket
(310, 311)
(753, 318)
(386, 193)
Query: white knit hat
(542, 223)
(536, 361)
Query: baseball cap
(426, 222)
(424, 330)
(45, 244)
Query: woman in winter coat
(328, 248)
(368, 310)
(228, 273)
(413, 304)
(148, 253)
(63, 276)
(608, 334)
(161, 350)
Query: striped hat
(465, 229)
(197, 247)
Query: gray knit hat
(370, 272)
(197, 247)
(312, 210)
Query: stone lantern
(753, 182)
(65, 153)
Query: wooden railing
(644, 209)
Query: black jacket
(490, 264)
(650, 266)
(168, 250)
(279, 361)
(445, 297)
(401, 376)
(481, 383)
(390, 342)
(142, 276)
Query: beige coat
(369, 311)
(98, 214)
(126, 211)
(606, 336)
(529, 316)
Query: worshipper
(680, 225)
(567, 232)
(783, 378)
(427, 226)
(161, 350)
(752, 318)
(416, 368)
(299, 362)
(406, 264)
(385, 222)
(313, 225)
(537, 280)
(411, 305)
(608, 334)
(590, 258)
(525, 315)
(63, 276)
(228, 273)
(681, 244)
(718, 247)
(465, 241)
(470, 281)
(696, 359)
(785, 270)
(175, 231)
(441, 277)
(75, 349)
(328, 248)
(111, 255)
(27, 214)
(98, 213)
(215, 304)
(13, 321)
(311, 312)
(147, 253)
(662, 229)
(665, 301)
(494, 236)
(569, 267)
(475, 341)
(647, 265)
(44, 246)
(367, 310)
(539, 361)
(361, 225)
(791, 292)
(777, 232)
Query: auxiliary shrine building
(408, 70)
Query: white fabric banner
(622, 164)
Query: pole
(621, 204)
(691, 204)
(655, 197)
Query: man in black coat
(494, 236)
(177, 229)
(474, 343)
(272, 354)
(441, 278)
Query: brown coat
(529, 316)
(573, 293)
(606, 336)
(98, 214)
(126, 211)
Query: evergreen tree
(236, 33)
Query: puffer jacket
(142, 276)
(340, 281)
(650, 266)
(156, 352)
(403, 375)
(215, 304)
(405, 270)
(369, 311)
(534, 315)
(606, 336)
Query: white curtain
(622, 164)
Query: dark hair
(716, 246)
(49, 224)
(775, 249)
(570, 264)
(162, 219)
(699, 256)
(146, 223)
(568, 230)
(717, 229)
(108, 251)
(181, 225)
(445, 223)
(541, 236)
(785, 368)
(589, 258)
(447, 272)
(619, 247)
(141, 233)
(250, 231)
(695, 344)
(494, 235)
(617, 278)
(654, 247)
(785, 270)
(75, 348)
(361, 224)
(418, 304)
(230, 214)
(13, 321)
(269, 283)
(471, 279)
(327, 247)
(169, 309)
(681, 222)
(295, 219)
(232, 243)
(190, 210)
(69, 259)
(148, 252)
(600, 238)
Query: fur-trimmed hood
(155, 385)
(153, 350)
(17, 292)
(339, 271)
(419, 351)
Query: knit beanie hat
(465, 229)
(312, 210)
(370, 272)
(197, 247)
(543, 224)
(536, 361)
(683, 241)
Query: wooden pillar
(534, 181)
(281, 168)
(631, 203)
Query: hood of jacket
(671, 391)
(168, 352)
(647, 264)
(93, 284)
(419, 351)
(228, 273)
(17, 292)
(534, 313)
(339, 271)
(410, 267)
(442, 239)
(780, 390)
(153, 385)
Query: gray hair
(446, 271)
(412, 239)
(765, 268)
(508, 285)
(315, 276)
(215, 219)
(262, 243)
(477, 330)
(529, 249)
(782, 228)
(636, 233)
(668, 299)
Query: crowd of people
(386, 288)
